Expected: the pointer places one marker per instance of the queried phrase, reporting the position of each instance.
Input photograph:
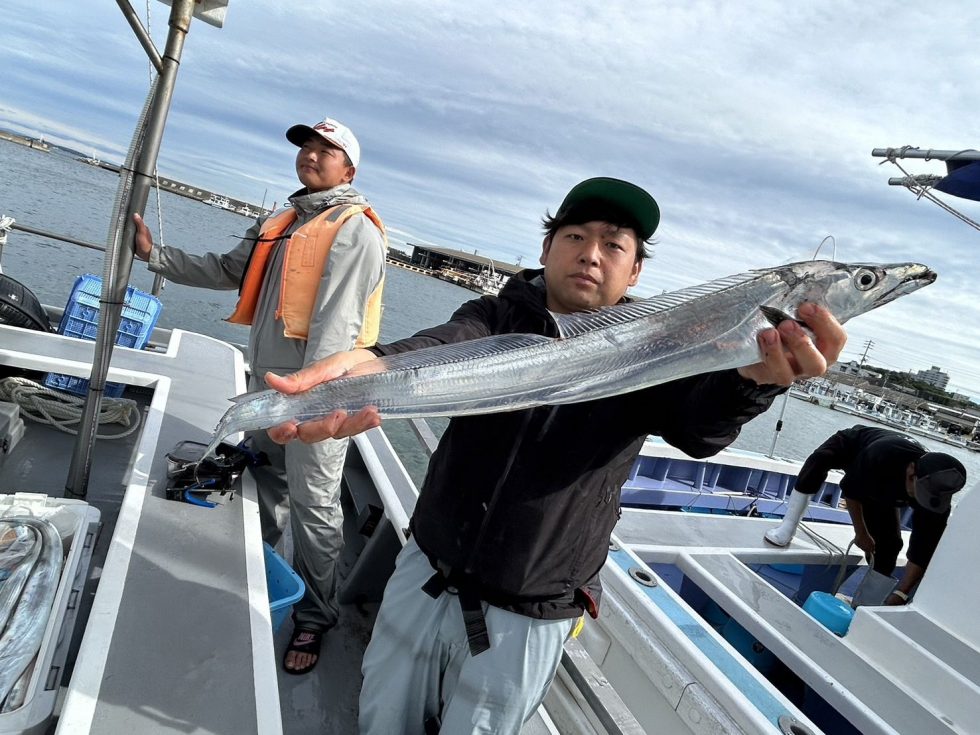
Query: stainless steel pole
(921, 180)
(903, 152)
(144, 38)
(55, 236)
(119, 260)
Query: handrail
(56, 236)
(423, 432)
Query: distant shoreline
(205, 196)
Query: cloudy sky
(752, 123)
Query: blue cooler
(833, 613)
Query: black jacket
(534, 543)
(874, 461)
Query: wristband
(900, 595)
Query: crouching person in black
(884, 471)
(515, 514)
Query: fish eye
(865, 279)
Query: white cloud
(752, 124)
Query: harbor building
(933, 376)
(470, 270)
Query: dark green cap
(629, 198)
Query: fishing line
(833, 550)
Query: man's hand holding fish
(336, 425)
(789, 353)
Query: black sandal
(303, 641)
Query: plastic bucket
(285, 586)
(833, 613)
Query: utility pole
(867, 346)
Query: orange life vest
(303, 263)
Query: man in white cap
(310, 278)
(884, 471)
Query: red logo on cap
(324, 127)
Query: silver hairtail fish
(599, 353)
(27, 619)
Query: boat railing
(13, 225)
(159, 337)
(61, 238)
(425, 435)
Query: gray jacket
(354, 268)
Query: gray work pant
(301, 485)
(418, 663)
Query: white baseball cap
(331, 131)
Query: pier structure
(35, 143)
(469, 270)
(205, 196)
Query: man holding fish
(515, 514)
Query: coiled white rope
(63, 410)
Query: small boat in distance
(218, 201)
(488, 281)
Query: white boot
(782, 534)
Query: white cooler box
(32, 718)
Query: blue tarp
(962, 181)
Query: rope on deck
(63, 410)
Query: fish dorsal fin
(450, 353)
(573, 325)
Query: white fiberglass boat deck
(178, 636)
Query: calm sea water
(54, 192)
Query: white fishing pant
(301, 485)
(418, 663)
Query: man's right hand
(143, 242)
(336, 425)
(865, 542)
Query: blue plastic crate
(285, 586)
(81, 319)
